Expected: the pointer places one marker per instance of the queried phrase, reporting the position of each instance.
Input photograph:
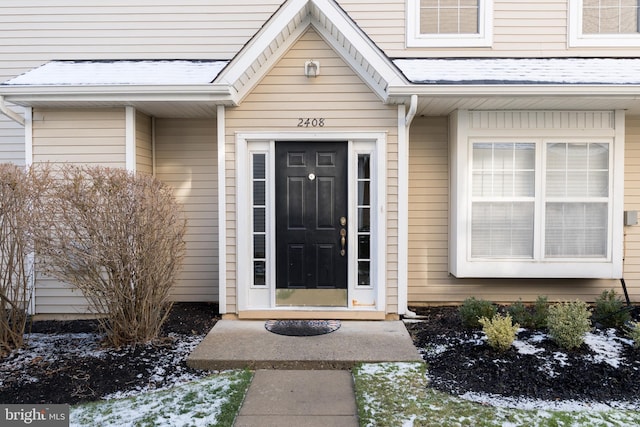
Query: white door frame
(360, 298)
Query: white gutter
(536, 90)
(10, 113)
(404, 123)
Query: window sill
(586, 269)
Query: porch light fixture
(312, 68)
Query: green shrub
(634, 333)
(500, 331)
(521, 314)
(530, 317)
(473, 309)
(610, 310)
(568, 322)
(540, 312)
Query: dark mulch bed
(76, 378)
(460, 361)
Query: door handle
(343, 241)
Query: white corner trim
(403, 208)
(130, 139)
(28, 136)
(222, 214)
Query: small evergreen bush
(530, 317)
(500, 331)
(610, 310)
(634, 333)
(540, 312)
(568, 322)
(473, 309)
(521, 314)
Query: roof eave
(31, 95)
(540, 90)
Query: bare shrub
(119, 238)
(20, 192)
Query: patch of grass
(212, 401)
(397, 394)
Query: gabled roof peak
(287, 25)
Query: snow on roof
(521, 70)
(148, 72)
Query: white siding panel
(186, 159)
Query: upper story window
(449, 23)
(594, 23)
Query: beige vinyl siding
(93, 137)
(632, 203)
(429, 281)
(33, 32)
(37, 30)
(79, 136)
(520, 29)
(11, 141)
(144, 150)
(346, 104)
(186, 159)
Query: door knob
(343, 241)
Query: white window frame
(578, 39)
(484, 37)
(461, 264)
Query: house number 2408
(308, 122)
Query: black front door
(311, 217)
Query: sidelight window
(259, 206)
(364, 219)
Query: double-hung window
(536, 202)
(449, 23)
(604, 23)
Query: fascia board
(623, 91)
(23, 95)
(361, 42)
(260, 42)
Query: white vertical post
(222, 215)
(130, 139)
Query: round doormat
(301, 328)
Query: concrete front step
(237, 344)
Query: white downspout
(403, 205)
(222, 213)
(10, 113)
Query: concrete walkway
(237, 344)
(280, 398)
(301, 381)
